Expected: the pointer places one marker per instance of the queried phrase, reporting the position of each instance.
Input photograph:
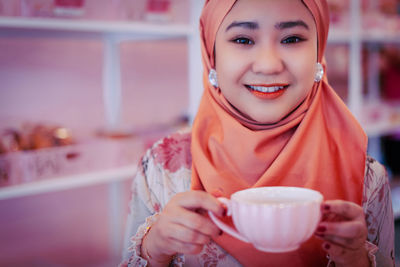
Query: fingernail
(327, 246)
(216, 193)
(225, 212)
(321, 229)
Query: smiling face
(265, 54)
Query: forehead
(267, 12)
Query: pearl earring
(212, 78)
(319, 72)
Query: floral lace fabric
(165, 170)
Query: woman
(267, 117)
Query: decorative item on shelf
(52, 8)
(19, 159)
(9, 141)
(382, 15)
(10, 8)
(396, 201)
(158, 10)
(102, 9)
(94, 155)
(390, 72)
(32, 137)
(112, 10)
(390, 148)
(69, 8)
(339, 12)
(389, 6)
(37, 8)
(133, 9)
(4, 173)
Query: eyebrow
(291, 24)
(251, 25)
(243, 24)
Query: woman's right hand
(182, 227)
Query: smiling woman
(268, 117)
(266, 64)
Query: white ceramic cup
(273, 219)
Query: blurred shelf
(380, 128)
(338, 36)
(375, 36)
(380, 118)
(166, 30)
(395, 191)
(68, 182)
(344, 36)
(112, 33)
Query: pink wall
(58, 80)
(66, 228)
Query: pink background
(58, 80)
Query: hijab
(319, 145)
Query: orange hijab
(320, 145)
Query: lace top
(165, 170)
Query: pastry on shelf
(32, 137)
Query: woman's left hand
(344, 230)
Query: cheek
(221, 64)
(308, 74)
(303, 67)
(228, 69)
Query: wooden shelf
(112, 33)
(343, 36)
(380, 118)
(68, 182)
(395, 192)
(380, 128)
(171, 30)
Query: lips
(267, 91)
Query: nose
(267, 60)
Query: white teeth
(266, 89)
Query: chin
(269, 120)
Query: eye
(243, 41)
(292, 40)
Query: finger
(217, 193)
(187, 235)
(335, 252)
(347, 229)
(195, 221)
(344, 256)
(200, 199)
(332, 217)
(345, 243)
(184, 247)
(347, 209)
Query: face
(265, 57)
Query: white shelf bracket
(195, 63)
(355, 60)
(112, 91)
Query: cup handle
(223, 226)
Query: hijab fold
(320, 145)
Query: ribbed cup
(276, 219)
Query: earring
(212, 78)
(319, 72)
